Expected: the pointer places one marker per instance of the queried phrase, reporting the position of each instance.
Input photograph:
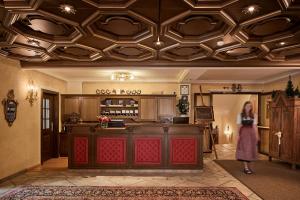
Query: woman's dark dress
(247, 141)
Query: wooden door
(166, 106)
(275, 126)
(89, 108)
(148, 109)
(286, 146)
(48, 138)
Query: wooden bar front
(137, 146)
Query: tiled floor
(54, 172)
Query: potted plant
(183, 106)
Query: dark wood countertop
(136, 124)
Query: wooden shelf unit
(88, 106)
(116, 107)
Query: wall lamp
(32, 93)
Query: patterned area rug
(123, 193)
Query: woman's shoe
(247, 171)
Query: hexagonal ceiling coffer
(46, 29)
(185, 27)
(110, 3)
(286, 53)
(187, 52)
(121, 26)
(130, 52)
(240, 52)
(21, 4)
(268, 28)
(290, 5)
(209, 3)
(78, 52)
(23, 52)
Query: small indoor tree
(183, 105)
(290, 88)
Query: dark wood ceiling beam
(163, 64)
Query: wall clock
(184, 89)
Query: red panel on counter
(81, 151)
(147, 151)
(183, 150)
(111, 150)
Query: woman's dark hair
(244, 114)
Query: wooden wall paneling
(70, 105)
(166, 106)
(148, 108)
(89, 108)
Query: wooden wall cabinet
(89, 108)
(284, 121)
(71, 104)
(166, 106)
(148, 108)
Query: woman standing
(248, 137)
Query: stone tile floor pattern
(55, 172)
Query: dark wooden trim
(160, 63)
(117, 95)
(55, 121)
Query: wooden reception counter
(138, 145)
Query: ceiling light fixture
(122, 76)
(282, 43)
(251, 9)
(220, 43)
(158, 43)
(68, 9)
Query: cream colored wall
(281, 84)
(20, 143)
(147, 88)
(74, 87)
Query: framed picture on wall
(204, 113)
(184, 89)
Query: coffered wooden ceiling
(116, 33)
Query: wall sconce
(32, 92)
(228, 133)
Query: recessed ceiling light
(68, 9)
(33, 42)
(251, 9)
(158, 43)
(282, 43)
(220, 43)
